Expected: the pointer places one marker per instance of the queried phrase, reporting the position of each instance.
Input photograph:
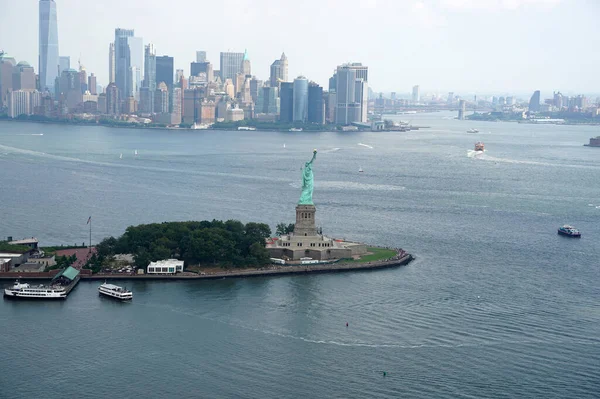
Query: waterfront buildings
(231, 65)
(300, 99)
(68, 91)
(286, 102)
(48, 44)
(350, 101)
(534, 102)
(161, 98)
(112, 99)
(7, 65)
(416, 95)
(316, 105)
(279, 71)
(268, 101)
(168, 266)
(92, 84)
(23, 77)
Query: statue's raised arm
(307, 182)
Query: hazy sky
(481, 46)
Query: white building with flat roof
(168, 266)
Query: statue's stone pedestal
(305, 221)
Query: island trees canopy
(229, 243)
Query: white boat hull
(122, 296)
(9, 293)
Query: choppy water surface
(497, 305)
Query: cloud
(494, 5)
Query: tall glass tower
(48, 58)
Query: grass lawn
(375, 254)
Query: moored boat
(114, 291)
(569, 231)
(472, 130)
(479, 146)
(26, 291)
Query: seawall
(234, 273)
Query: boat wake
(475, 154)
(365, 145)
(336, 149)
(29, 134)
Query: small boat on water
(135, 153)
(294, 129)
(121, 156)
(569, 231)
(114, 291)
(360, 170)
(246, 128)
(479, 146)
(472, 130)
(594, 142)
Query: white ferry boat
(26, 291)
(115, 291)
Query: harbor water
(497, 304)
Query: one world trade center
(48, 60)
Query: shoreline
(276, 271)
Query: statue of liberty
(308, 182)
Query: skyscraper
(112, 68)
(136, 60)
(255, 88)
(300, 96)
(279, 71)
(64, 62)
(347, 109)
(361, 96)
(112, 99)
(231, 64)
(200, 56)
(202, 69)
(122, 60)
(150, 67)
(246, 66)
(161, 99)
(534, 102)
(48, 41)
(268, 100)
(416, 95)
(286, 102)
(23, 77)
(165, 71)
(7, 65)
(316, 106)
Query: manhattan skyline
(443, 45)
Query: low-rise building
(168, 266)
(5, 264)
(47, 261)
(28, 242)
(16, 259)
